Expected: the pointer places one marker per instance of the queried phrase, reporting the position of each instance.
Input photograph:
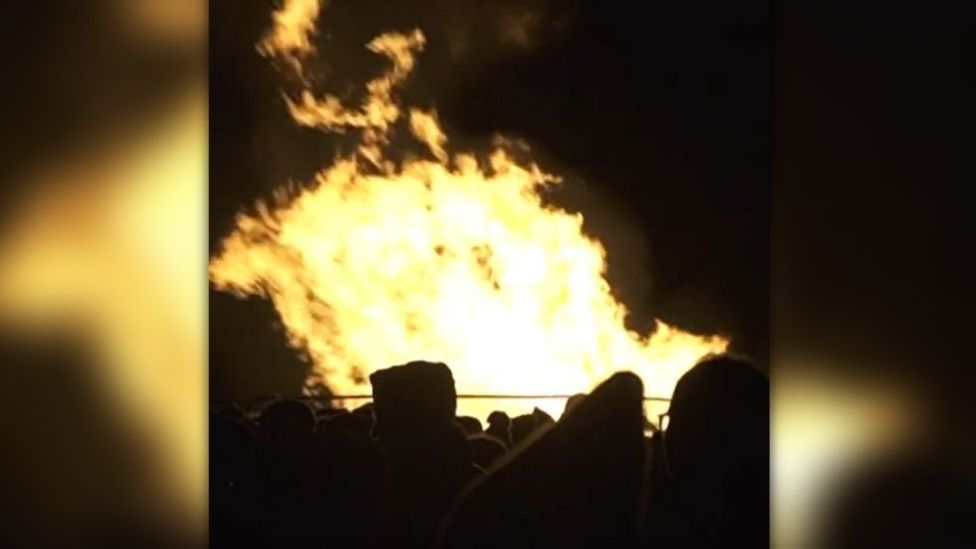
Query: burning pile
(450, 258)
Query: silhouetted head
(349, 425)
(470, 425)
(257, 406)
(365, 410)
(367, 414)
(499, 426)
(542, 418)
(228, 434)
(327, 413)
(522, 427)
(485, 449)
(719, 417)
(572, 401)
(413, 400)
(229, 409)
(287, 422)
(500, 420)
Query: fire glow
(444, 256)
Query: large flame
(450, 258)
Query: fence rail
(471, 396)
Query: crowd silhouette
(405, 471)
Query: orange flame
(452, 259)
(291, 30)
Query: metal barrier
(496, 397)
(253, 409)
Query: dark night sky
(658, 113)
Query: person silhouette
(500, 427)
(428, 454)
(715, 491)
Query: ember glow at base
(445, 256)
